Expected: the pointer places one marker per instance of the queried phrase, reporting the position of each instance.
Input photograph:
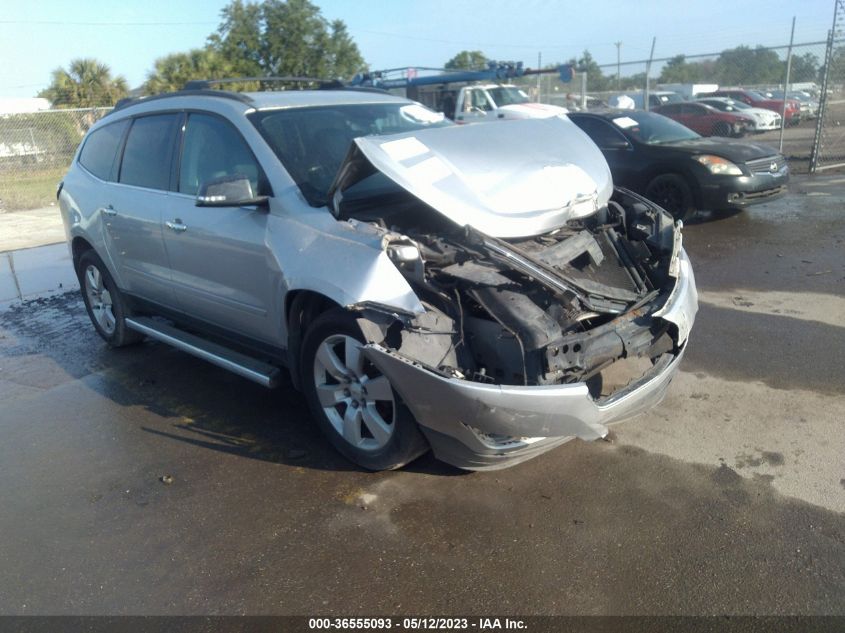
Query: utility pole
(618, 65)
(648, 72)
(539, 67)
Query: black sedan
(680, 170)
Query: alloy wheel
(99, 298)
(355, 397)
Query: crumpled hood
(506, 179)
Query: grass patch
(29, 189)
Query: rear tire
(104, 302)
(672, 192)
(353, 403)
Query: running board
(240, 364)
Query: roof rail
(205, 84)
(129, 101)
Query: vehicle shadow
(189, 401)
(703, 217)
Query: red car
(757, 100)
(707, 120)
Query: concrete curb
(30, 273)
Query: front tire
(722, 129)
(104, 302)
(672, 192)
(353, 403)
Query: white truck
(481, 102)
(500, 101)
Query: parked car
(678, 169)
(764, 120)
(809, 107)
(462, 288)
(636, 99)
(755, 99)
(707, 120)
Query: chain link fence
(35, 151)
(796, 71)
(829, 139)
(36, 148)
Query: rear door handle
(109, 210)
(176, 225)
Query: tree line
(742, 65)
(253, 39)
(292, 38)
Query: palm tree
(173, 71)
(86, 83)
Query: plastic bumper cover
(475, 425)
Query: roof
(605, 113)
(274, 99)
(300, 98)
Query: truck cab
(490, 102)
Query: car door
(476, 105)
(617, 150)
(133, 215)
(221, 267)
(699, 118)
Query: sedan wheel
(721, 129)
(671, 192)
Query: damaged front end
(526, 342)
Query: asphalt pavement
(145, 481)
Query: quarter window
(148, 155)
(601, 133)
(214, 148)
(100, 150)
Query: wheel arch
(302, 307)
(675, 170)
(78, 246)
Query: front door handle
(176, 225)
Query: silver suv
(480, 290)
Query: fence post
(786, 85)
(828, 60)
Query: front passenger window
(214, 148)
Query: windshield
(670, 97)
(508, 95)
(755, 95)
(312, 142)
(740, 105)
(652, 129)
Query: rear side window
(100, 150)
(601, 133)
(148, 155)
(214, 148)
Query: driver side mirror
(620, 143)
(229, 191)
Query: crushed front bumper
(483, 426)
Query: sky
(128, 35)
